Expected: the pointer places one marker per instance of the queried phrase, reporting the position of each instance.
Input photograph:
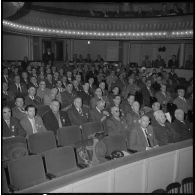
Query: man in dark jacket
(54, 118)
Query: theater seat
(173, 188)
(114, 143)
(161, 191)
(91, 128)
(41, 142)
(26, 172)
(60, 161)
(14, 148)
(68, 136)
(187, 185)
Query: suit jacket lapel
(143, 138)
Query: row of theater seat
(59, 158)
(186, 186)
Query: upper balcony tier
(42, 23)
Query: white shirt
(32, 121)
(145, 134)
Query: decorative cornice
(37, 23)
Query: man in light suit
(142, 136)
(32, 123)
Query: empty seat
(159, 191)
(114, 143)
(60, 161)
(187, 185)
(26, 172)
(41, 142)
(91, 128)
(68, 136)
(14, 148)
(173, 188)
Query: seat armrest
(13, 188)
(131, 151)
(50, 176)
(82, 166)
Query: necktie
(149, 144)
(19, 88)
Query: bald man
(164, 132)
(77, 113)
(181, 126)
(142, 136)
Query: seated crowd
(150, 109)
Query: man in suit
(68, 97)
(17, 87)
(18, 111)
(85, 95)
(78, 114)
(31, 99)
(8, 96)
(6, 76)
(33, 82)
(42, 90)
(92, 86)
(126, 105)
(25, 78)
(117, 125)
(164, 132)
(32, 123)
(11, 125)
(142, 136)
(180, 101)
(98, 114)
(163, 96)
(54, 118)
(182, 127)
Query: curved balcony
(47, 24)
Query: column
(181, 57)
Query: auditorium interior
(97, 97)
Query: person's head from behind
(55, 106)
(160, 117)
(30, 111)
(115, 111)
(131, 99)
(98, 92)
(144, 121)
(31, 91)
(179, 114)
(117, 100)
(136, 106)
(6, 113)
(156, 106)
(101, 104)
(19, 101)
(78, 102)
